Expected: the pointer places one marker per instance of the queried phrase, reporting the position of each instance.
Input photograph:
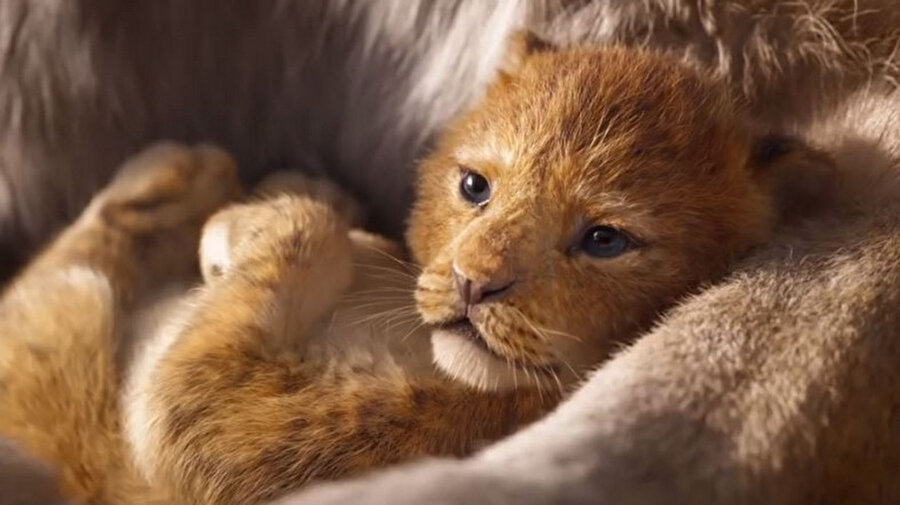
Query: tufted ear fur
(803, 176)
(520, 45)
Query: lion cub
(588, 190)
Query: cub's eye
(605, 242)
(475, 188)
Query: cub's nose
(476, 291)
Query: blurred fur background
(352, 88)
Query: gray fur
(355, 88)
(349, 87)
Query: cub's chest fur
(375, 327)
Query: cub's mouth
(463, 353)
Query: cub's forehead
(587, 83)
(584, 109)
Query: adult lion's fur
(777, 386)
(353, 88)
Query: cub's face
(589, 189)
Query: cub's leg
(227, 413)
(59, 385)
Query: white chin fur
(465, 361)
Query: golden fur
(231, 403)
(613, 137)
(61, 141)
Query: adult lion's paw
(169, 186)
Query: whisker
(396, 299)
(563, 360)
(397, 274)
(404, 289)
(515, 373)
(406, 264)
(410, 332)
(561, 334)
(534, 328)
(375, 295)
(382, 304)
(375, 292)
(393, 276)
(389, 281)
(543, 331)
(558, 382)
(383, 315)
(400, 318)
(537, 383)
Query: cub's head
(586, 191)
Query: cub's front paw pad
(294, 182)
(169, 185)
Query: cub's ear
(802, 177)
(520, 45)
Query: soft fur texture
(778, 385)
(70, 119)
(85, 83)
(572, 139)
(301, 357)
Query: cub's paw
(169, 186)
(294, 182)
(277, 234)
